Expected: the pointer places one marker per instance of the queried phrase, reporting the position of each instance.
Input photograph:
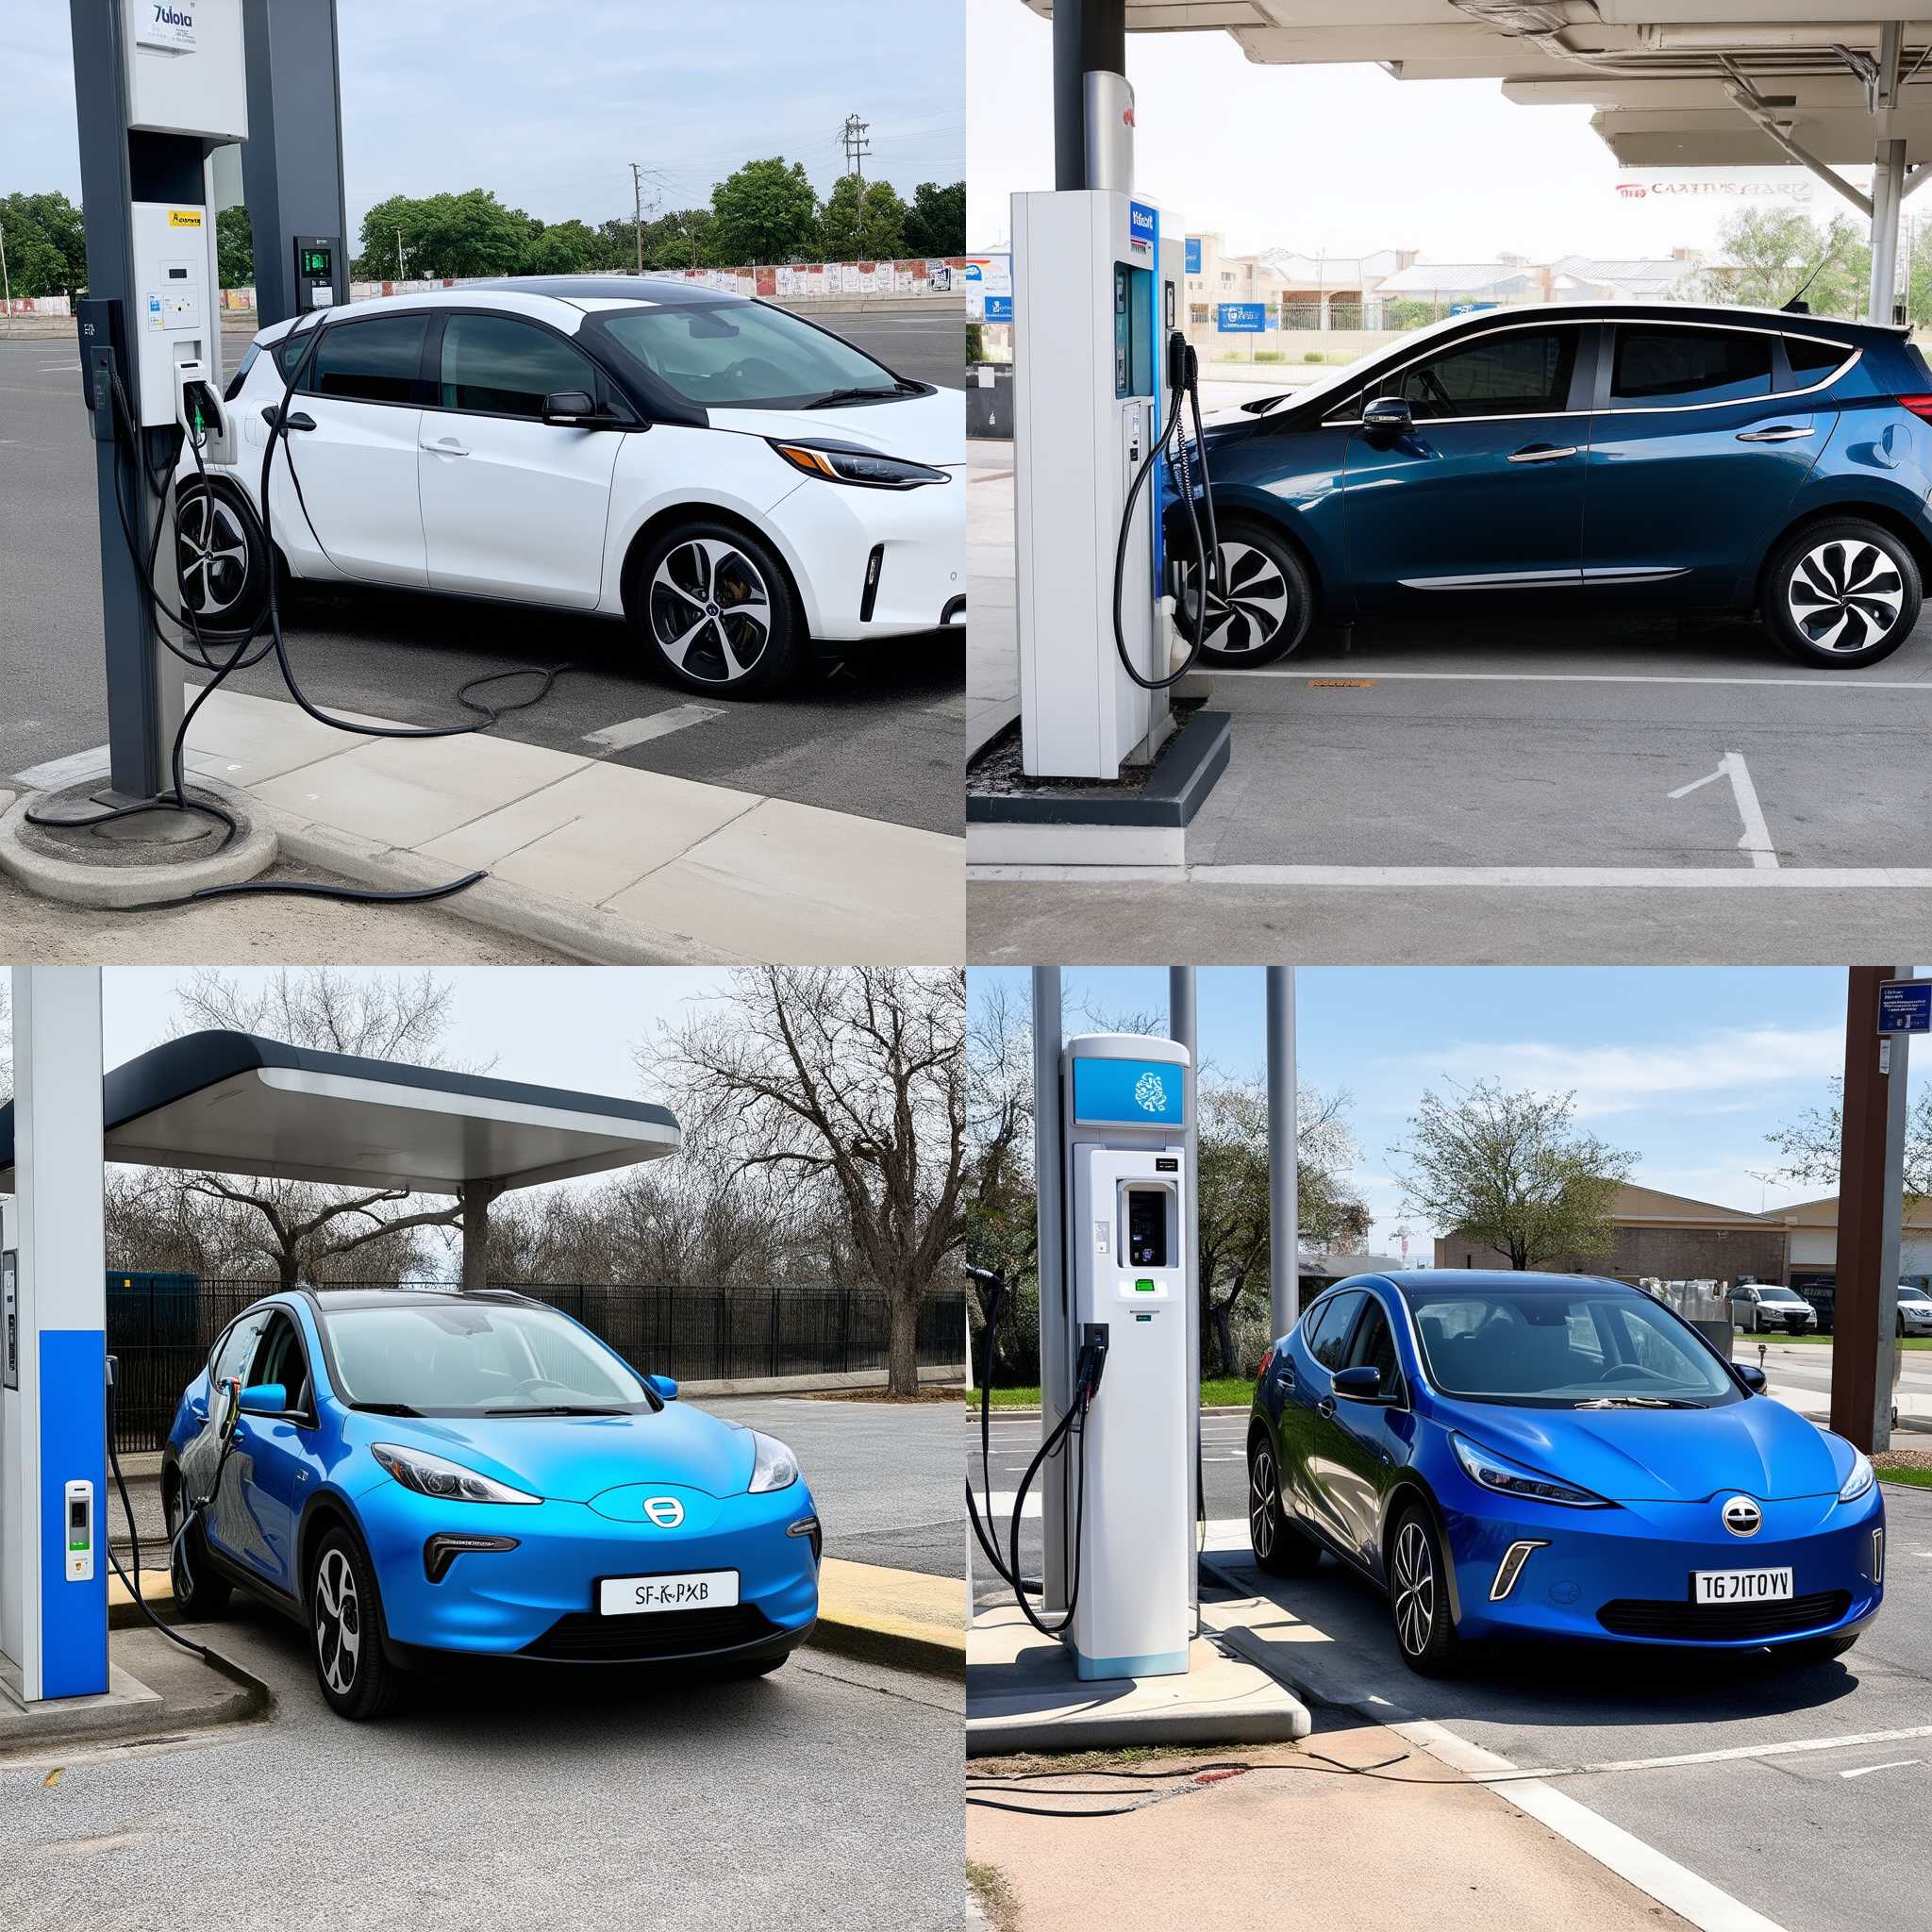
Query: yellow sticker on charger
(184, 218)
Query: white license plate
(694, 1590)
(1742, 1586)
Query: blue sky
(549, 104)
(1688, 1066)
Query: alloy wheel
(338, 1622)
(213, 552)
(1247, 610)
(710, 611)
(1846, 596)
(1415, 1588)
(1261, 1503)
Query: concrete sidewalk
(604, 862)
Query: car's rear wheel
(199, 1592)
(1419, 1596)
(345, 1621)
(1842, 594)
(219, 561)
(1279, 1547)
(1264, 605)
(715, 608)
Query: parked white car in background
(1761, 1307)
(733, 481)
(1914, 1310)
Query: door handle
(1543, 453)
(1326, 1408)
(1778, 432)
(297, 419)
(449, 447)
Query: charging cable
(995, 1284)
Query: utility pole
(402, 254)
(6, 284)
(637, 184)
(857, 146)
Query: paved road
(878, 733)
(826, 1795)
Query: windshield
(466, 1360)
(1563, 1348)
(743, 355)
(1780, 1294)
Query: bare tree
(1813, 1146)
(852, 1076)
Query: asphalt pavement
(875, 733)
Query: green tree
(234, 248)
(764, 212)
(936, 222)
(863, 221)
(564, 248)
(47, 245)
(1768, 253)
(466, 234)
(1510, 1171)
(682, 239)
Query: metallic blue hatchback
(1554, 1456)
(409, 1473)
(1596, 459)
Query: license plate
(693, 1590)
(1742, 1586)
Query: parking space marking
(1596, 878)
(1823, 680)
(1866, 1769)
(1757, 838)
(1738, 1752)
(657, 724)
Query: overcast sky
(1687, 1067)
(548, 103)
(1325, 159)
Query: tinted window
(742, 354)
(1331, 1336)
(379, 360)
(1373, 1346)
(506, 368)
(1513, 372)
(1812, 361)
(280, 1359)
(1690, 365)
(237, 1350)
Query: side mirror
(1389, 416)
(664, 1386)
(574, 408)
(1358, 1385)
(1752, 1378)
(265, 1398)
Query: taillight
(1920, 406)
(1265, 1360)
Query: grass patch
(1217, 1391)
(1916, 1476)
(1903, 1340)
(989, 1886)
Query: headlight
(774, 1466)
(840, 465)
(1508, 1478)
(1860, 1480)
(431, 1475)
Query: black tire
(1817, 1650)
(1280, 1548)
(744, 1668)
(1419, 1596)
(1842, 594)
(223, 583)
(200, 1591)
(1268, 605)
(714, 608)
(346, 1625)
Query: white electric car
(735, 482)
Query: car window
(1373, 1346)
(498, 366)
(1511, 373)
(237, 1348)
(280, 1358)
(1812, 360)
(1665, 366)
(379, 360)
(741, 355)
(1331, 1337)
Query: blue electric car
(1600, 458)
(1552, 1456)
(424, 1472)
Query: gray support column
(1284, 1206)
(291, 166)
(1049, 1182)
(477, 1198)
(1182, 1027)
(1888, 183)
(1890, 1235)
(1088, 37)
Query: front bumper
(830, 530)
(1623, 1574)
(539, 1599)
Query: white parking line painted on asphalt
(1757, 838)
(1829, 680)
(1866, 1769)
(1735, 1753)
(1594, 878)
(658, 725)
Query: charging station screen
(1140, 1093)
(315, 261)
(1147, 1227)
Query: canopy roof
(234, 1102)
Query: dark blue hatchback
(1600, 458)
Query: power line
(857, 146)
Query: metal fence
(160, 1328)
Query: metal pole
(1891, 1233)
(1855, 1399)
(6, 284)
(1284, 1154)
(1182, 1025)
(1088, 37)
(1050, 1244)
(1887, 177)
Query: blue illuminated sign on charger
(1139, 1093)
(1142, 226)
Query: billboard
(1241, 318)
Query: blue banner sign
(1241, 318)
(1138, 1093)
(1194, 255)
(1144, 225)
(998, 309)
(1905, 1005)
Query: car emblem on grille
(667, 1512)
(1741, 1516)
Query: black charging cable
(1087, 1372)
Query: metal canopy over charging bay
(233, 1103)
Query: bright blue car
(423, 1473)
(1552, 1456)
(1597, 459)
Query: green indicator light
(1144, 1287)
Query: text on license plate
(696, 1590)
(1742, 1586)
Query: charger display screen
(1147, 1227)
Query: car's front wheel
(1842, 594)
(1279, 1547)
(345, 1621)
(715, 609)
(1263, 606)
(1419, 1596)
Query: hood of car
(571, 1459)
(923, 429)
(1664, 1454)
